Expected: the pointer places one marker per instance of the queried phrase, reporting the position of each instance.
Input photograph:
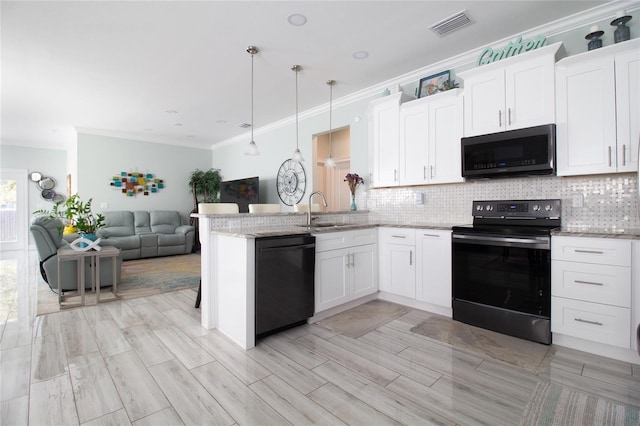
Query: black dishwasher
(284, 282)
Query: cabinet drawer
(405, 236)
(591, 321)
(603, 251)
(337, 240)
(606, 284)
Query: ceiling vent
(244, 125)
(451, 24)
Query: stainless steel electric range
(501, 267)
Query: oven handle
(543, 243)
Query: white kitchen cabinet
(384, 139)
(591, 281)
(433, 266)
(430, 132)
(598, 113)
(346, 267)
(513, 93)
(398, 261)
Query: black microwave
(528, 151)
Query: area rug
(362, 319)
(531, 356)
(139, 278)
(553, 404)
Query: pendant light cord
(330, 83)
(252, 96)
(297, 69)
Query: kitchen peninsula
(228, 259)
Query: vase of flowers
(353, 180)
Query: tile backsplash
(608, 201)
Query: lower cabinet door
(591, 321)
(364, 271)
(398, 269)
(433, 276)
(331, 281)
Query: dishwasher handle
(292, 247)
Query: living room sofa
(140, 234)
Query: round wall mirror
(48, 194)
(58, 198)
(35, 176)
(47, 183)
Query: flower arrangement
(353, 180)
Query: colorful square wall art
(134, 183)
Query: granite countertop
(587, 231)
(319, 228)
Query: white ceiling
(117, 67)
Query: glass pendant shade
(330, 162)
(297, 155)
(252, 149)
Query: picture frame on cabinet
(431, 85)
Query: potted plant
(77, 214)
(205, 186)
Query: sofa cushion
(117, 224)
(164, 221)
(171, 240)
(141, 220)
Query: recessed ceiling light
(171, 111)
(297, 19)
(178, 124)
(244, 125)
(148, 130)
(221, 121)
(360, 54)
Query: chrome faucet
(324, 203)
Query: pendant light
(297, 155)
(252, 149)
(329, 162)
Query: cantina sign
(514, 48)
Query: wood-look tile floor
(147, 361)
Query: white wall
(101, 157)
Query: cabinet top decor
(488, 55)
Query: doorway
(330, 180)
(13, 209)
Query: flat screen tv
(241, 191)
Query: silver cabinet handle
(410, 257)
(624, 155)
(587, 282)
(424, 172)
(499, 118)
(509, 112)
(347, 263)
(587, 321)
(609, 156)
(431, 171)
(398, 236)
(395, 175)
(431, 235)
(588, 251)
(353, 260)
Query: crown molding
(550, 29)
(135, 136)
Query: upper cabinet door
(530, 93)
(586, 118)
(484, 103)
(628, 109)
(414, 142)
(445, 131)
(385, 140)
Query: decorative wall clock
(291, 182)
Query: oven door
(506, 272)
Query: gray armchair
(47, 235)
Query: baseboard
(416, 304)
(319, 316)
(607, 351)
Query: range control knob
(489, 207)
(536, 208)
(479, 208)
(548, 207)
